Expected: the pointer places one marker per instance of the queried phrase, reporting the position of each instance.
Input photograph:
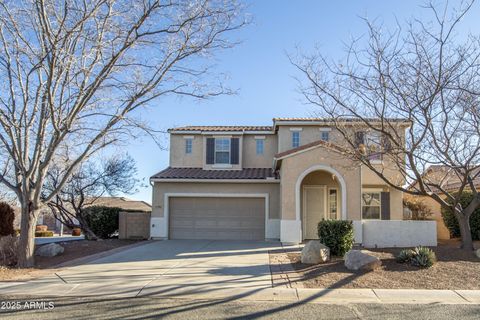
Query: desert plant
(7, 216)
(405, 256)
(103, 221)
(337, 235)
(43, 233)
(451, 221)
(418, 209)
(423, 257)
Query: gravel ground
(455, 269)
(73, 250)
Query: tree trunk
(87, 232)
(465, 231)
(26, 245)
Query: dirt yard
(73, 250)
(455, 269)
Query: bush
(337, 235)
(103, 221)
(418, 209)
(423, 257)
(405, 256)
(8, 250)
(43, 233)
(451, 221)
(7, 216)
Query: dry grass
(455, 269)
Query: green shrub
(423, 257)
(337, 235)
(43, 233)
(451, 221)
(7, 216)
(103, 221)
(405, 255)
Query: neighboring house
(439, 174)
(47, 218)
(270, 182)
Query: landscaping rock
(49, 250)
(315, 252)
(361, 260)
(478, 253)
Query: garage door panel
(217, 218)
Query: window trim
(379, 191)
(215, 163)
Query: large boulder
(49, 250)
(478, 253)
(361, 260)
(315, 252)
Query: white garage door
(217, 218)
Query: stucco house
(275, 182)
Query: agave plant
(423, 257)
(405, 255)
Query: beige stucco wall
(250, 157)
(293, 167)
(178, 157)
(307, 135)
(159, 189)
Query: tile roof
(199, 173)
(222, 128)
(308, 146)
(339, 119)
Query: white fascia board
(222, 133)
(218, 180)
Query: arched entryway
(320, 194)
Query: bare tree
(90, 181)
(77, 73)
(425, 76)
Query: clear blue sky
(260, 70)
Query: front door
(314, 209)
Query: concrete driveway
(165, 268)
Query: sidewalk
(55, 287)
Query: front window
(325, 135)
(222, 150)
(332, 203)
(374, 145)
(371, 205)
(260, 146)
(188, 146)
(295, 139)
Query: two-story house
(265, 182)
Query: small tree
(410, 99)
(451, 221)
(102, 221)
(89, 182)
(7, 217)
(418, 209)
(78, 74)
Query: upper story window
(260, 146)
(188, 145)
(222, 150)
(371, 205)
(374, 144)
(295, 139)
